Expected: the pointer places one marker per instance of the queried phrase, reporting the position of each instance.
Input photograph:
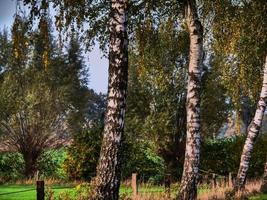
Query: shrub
(141, 157)
(222, 156)
(83, 154)
(10, 166)
(50, 163)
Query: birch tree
(109, 166)
(188, 187)
(253, 132)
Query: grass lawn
(25, 192)
(259, 197)
(28, 192)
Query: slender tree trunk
(253, 132)
(188, 188)
(107, 181)
(264, 181)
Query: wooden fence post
(214, 184)
(167, 184)
(206, 179)
(134, 185)
(40, 190)
(230, 183)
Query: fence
(216, 179)
(40, 190)
(209, 178)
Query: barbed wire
(8, 193)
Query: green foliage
(215, 108)
(223, 155)
(239, 29)
(141, 158)
(5, 48)
(157, 89)
(83, 154)
(91, 17)
(10, 166)
(258, 157)
(50, 164)
(43, 91)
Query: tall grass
(205, 193)
(48, 182)
(152, 192)
(222, 192)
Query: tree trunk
(264, 181)
(30, 167)
(188, 188)
(107, 181)
(253, 132)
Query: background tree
(215, 104)
(238, 52)
(239, 58)
(83, 153)
(157, 79)
(35, 103)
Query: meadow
(145, 192)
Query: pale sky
(98, 66)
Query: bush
(83, 154)
(10, 166)
(141, 157)
(50, 163)
(222, 156)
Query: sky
(98, 66)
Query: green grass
(25, 192)
(28, 192)
(259, 197)
(143, 189)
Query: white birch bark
(188, 187)
(253, 132)
(107, 181)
